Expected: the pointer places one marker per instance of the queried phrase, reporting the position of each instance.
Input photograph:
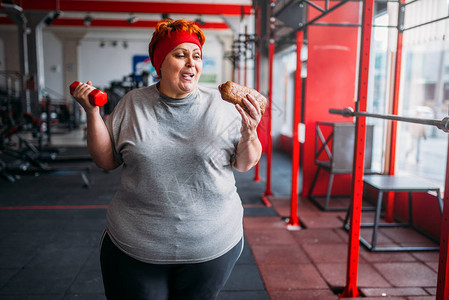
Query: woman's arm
(249, 148)
(98, 140)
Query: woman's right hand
(81, 95)
(99, 142)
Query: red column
(257, 78)
(443, 267)
(293, 222)
(359, 156)
(233, 67)
(245, 62)
(268, 191)
(394, 125)
(257, 87)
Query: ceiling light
(49, 20)
(88, 20)
(132, 19)
(200, 21)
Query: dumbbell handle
(96, 97)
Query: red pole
(395, 110)
(233, 69)
(350, 289)
(443, 267)
(245, 62)
(293, 222)
(268, 191)
(257, 76)
(257, 87)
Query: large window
(421, 149)
(424, 87)
(284, 96)
(380, 68)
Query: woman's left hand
(249, 148)
(250, 118)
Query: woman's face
(181, 70)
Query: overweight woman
(174, 227)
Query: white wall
(10, 52)
(53, 65)
(284, 69)
(9, 36)
(102, 65)
(212, 61)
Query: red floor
(311, 263)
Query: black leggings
(126, 278)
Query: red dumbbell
(96, 97)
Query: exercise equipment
(334, 153)
(96, 97)
(349, 112)
(20, 157)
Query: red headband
(168, 43)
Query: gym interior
(348, 199)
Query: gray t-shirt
(177, 201)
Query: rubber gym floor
(50, 227)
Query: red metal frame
(257, 80)
(137, 7)
(257, 87)
(113, 23)
(395, 104)
(268, 191)
(350, 289)
(443, 267)
(294, 220)
(245, 62)
(124, 23)
(394, 126)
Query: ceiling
(209, 14)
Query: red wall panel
(331, 82)
(426, 212)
